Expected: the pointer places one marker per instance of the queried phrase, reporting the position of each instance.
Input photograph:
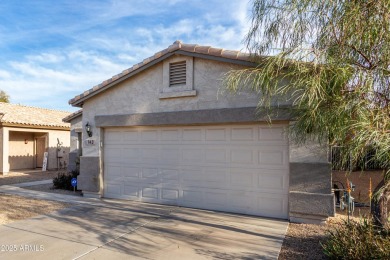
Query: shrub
(357, 240)
(63, 180)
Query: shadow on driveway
(117, 229)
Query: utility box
(60, 152)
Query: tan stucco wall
(65, 140)
(13, 147)
(21, 150)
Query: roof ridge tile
(202, 49)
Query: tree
(4, 97)
(332, 58)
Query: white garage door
(236, 168)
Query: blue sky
(54, 50)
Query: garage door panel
(149, 135)
(131, 172)
(213, 155)
(113, 189)
(170, 194)
(243, 134)
(273, 180)
(191, 197)
(243, 179)
(272, 133)
(150, 155)
(114, 155)
(239, 168)
(150, 173)
(242, 201)
(113, 137)
(170, 155)
(150, 193)
(216, 199)
(242, 156)
(215, 176)
(170, 135)
(132, 155)
(191, 155)
(115, 172)
(130, 137)
(192, 176)
(272, 206)
(192, 135)
(170, 175)
(273, 158)
(130, 191)
(218, 134)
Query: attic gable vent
(177, 73)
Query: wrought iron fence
(367, 162)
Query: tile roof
(32, 116)
(72, 116)
(177, 47)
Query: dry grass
(26, 176)
(15, 208)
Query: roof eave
(72, 116)
(64, 128)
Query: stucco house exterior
(26, 133)
(75, 150)
(165, 131)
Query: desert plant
(357, 240)
(63, 180)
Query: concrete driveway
(128, 230)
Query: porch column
(5, 151)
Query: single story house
(165, 131)
(26, 133)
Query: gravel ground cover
(13, 208)
(26, 176)
(303, 241)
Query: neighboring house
(164, 131)
(75, 120)
(26, 133)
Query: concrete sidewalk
(116, 229)
(17, 189)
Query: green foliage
(4, 97)
(357, 240)
(331, 62)
(63, 180)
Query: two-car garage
(232, 168)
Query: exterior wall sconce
(88, 129)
